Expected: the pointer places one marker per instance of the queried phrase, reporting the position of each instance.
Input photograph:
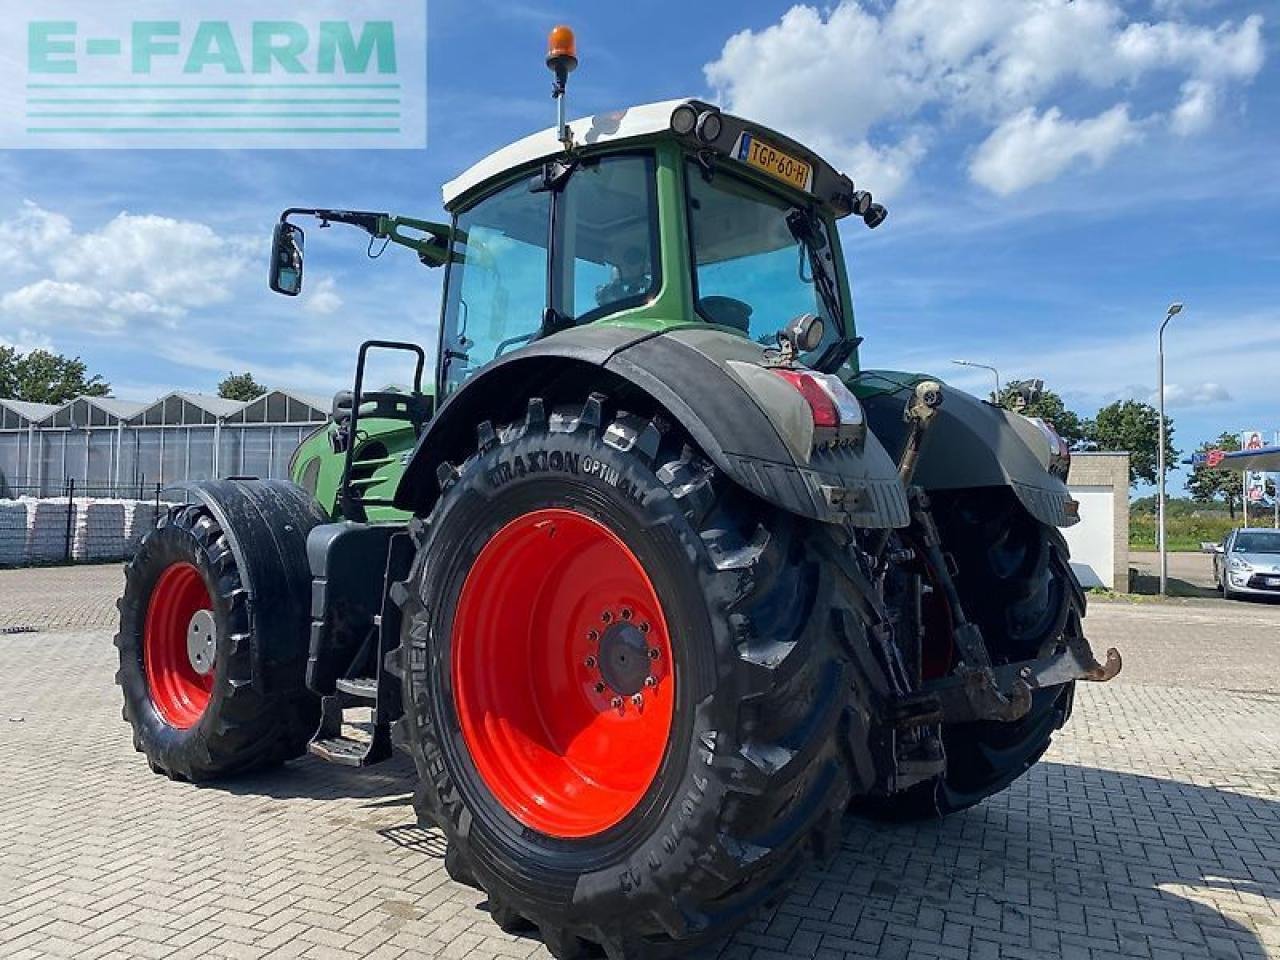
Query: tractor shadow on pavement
(390, 783)
(1069, 859)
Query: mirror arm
(363, 219)
(432, 248)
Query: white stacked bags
(47, 530)
(34, 531)
(13, 532)
(99, 530)
(139, 518)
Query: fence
(84, 523)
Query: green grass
(1185, 533)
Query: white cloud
(24, 341)
(1191, 394)
(1202, 365)
(865, 83)
(134, 268)
(1195, 112)
(323, 299)
(1031, 148)
(31, 237)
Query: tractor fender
(972, 443)
(266, 523)
(750, 424)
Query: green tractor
(654, 583)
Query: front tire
(186, 661)
(573, 817)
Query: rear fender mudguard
(266, 523)
(971, 444)
(710, 383)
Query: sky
(1056, 172)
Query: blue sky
(1057, 172)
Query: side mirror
(287, 245)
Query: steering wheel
(727, 312)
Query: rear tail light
(837, 414)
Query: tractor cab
(663, 215)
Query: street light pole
(1174, 310)
(983, 366)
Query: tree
(1134, 426)
(1206, 486)
(44, 377)
(1049, 406)
(240, 386)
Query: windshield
(1257, 541)
(759, 261)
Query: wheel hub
(202, 642)
(624, 658)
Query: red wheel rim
(562, 673)
(179, 692)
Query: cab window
(754, 260)
(607, 244)
(497, 280)
(604, 247)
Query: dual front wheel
(188, 656)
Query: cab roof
(635, 123)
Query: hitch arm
(431, 245)
(1004, 692)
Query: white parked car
(1247, 563)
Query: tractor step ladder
(332, 744)
(367, 683)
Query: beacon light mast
(562, 58)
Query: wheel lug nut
(650, 682)
(638, 699)
(607, 617)
(653, 653)
(593, 635)
(616, 703)
(590, 663)
(599, 688)
(626, 614)
(644, 627)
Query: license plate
(763, 156)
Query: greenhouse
(113, 447)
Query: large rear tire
(186, 659)
(562, 547)
(1016, 584)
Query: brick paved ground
(49, 597)
(1152, 830)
